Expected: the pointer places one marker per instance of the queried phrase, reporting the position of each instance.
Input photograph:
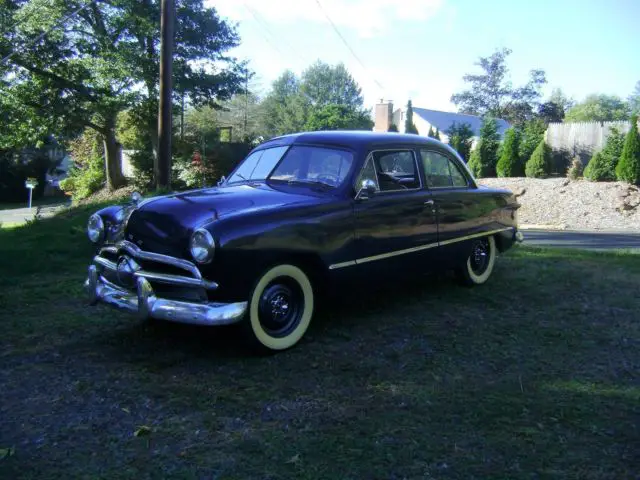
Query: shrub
(539, 164)
(84, 180)
(532, 134)
(484, 158)
(509, 161)
(196, 172)
(602, 166)
(628, 168)
(392, 128)
(575, 170)
(461, 139)
(409, 126)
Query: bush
(575, 170)
(602, 166)
(484, 158)
(196, 172)
(392, 128)
(83, 181)
(532, 134)
(539, 164)
(628, 168)
(509, 160)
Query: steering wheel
(332, 178)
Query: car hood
(160, 224)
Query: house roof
(443, 120)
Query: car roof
(351, 138)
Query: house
(424, 118)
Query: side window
(396, 169)
(440, 171)
(368, 173)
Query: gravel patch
(574, 204)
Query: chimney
(383, 117)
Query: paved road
(21, 215)
(586, 240)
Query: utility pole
(163, 162)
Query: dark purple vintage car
(301, 212)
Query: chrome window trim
(395, 253)
(370, 157)
(465, 172)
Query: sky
(420, 49)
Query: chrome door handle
(429, 202)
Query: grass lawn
(39, 202)
(535, 375)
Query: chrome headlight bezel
(202, 246)
(95, 228)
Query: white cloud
(367, 17)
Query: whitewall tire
(480, 263)
(280, 308)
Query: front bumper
(146, 304)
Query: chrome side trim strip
(350, 263)
(475, 235)
(395, 253)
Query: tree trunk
(113, 160)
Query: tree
(634, 99)
(550, 112)
(338, 117)
(437, 134)
(484, 156)
(559, 98)
(602, 167)
(509, 161)
(532, 134)
(105, 60)
(323, 84)
(628, 169)
(598, 108)
(392, 128)
(292, 101)
(461, 139)
(409, 126)
(285, 108)
(431, 133)
(491, 93)
(539, 165)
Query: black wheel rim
(480, 255)
(280, 307)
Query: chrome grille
(125, 261)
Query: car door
(396, 226)
(462, 210)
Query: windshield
(316, 165)
(257, 165)
(301, 165)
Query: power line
(263, 25)
(344, 40)
(47, 32)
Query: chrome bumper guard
(519, 236)
(143, 300)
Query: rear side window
(441, 172)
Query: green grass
(534, 375)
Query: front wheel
(280, 308)
(479, 265)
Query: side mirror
(222, 180)
(367, 189)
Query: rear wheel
(479, 265)
(280, 308)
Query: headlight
(95, 228)
(202, 246)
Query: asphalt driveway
(590, 240)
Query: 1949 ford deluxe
(299, 213)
